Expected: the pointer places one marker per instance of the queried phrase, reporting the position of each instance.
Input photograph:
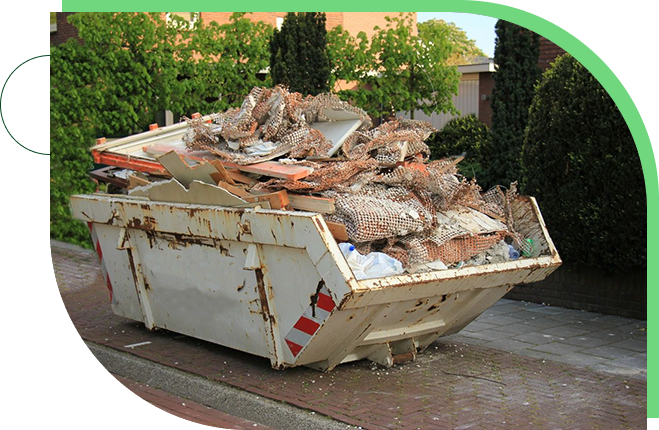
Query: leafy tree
(397, 70)
(133, 57)
(218, 64)
(516, 56)
(463, 135)
(129, 67)
(465, 50)
(298, 55)
(581, 163)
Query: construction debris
(374, 186)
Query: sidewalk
(502, 371)
(187, 409)
(599, 342)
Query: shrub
(516, 56)
(581, 163)
(71, 134)
(462, 135)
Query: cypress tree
(516, 56)
(298, 54)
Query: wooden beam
(268, 168)
(312, 204)
(278, 200)
(239, 177)
(222, 175)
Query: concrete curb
(217, 395)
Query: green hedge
(129, 67)
(581, 163)
(462, 135)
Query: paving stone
(575, 316)
(478, 326)
(634, 326)
(488, 334)
(549, 310)
(579, 359)
(501, 320)
(508, 345)
(466, 339)
(594, 325)
(492, 311)
(525, 315)
(616, 320)
(609, 352)
(502, 302)
(557, 348)
(639, 362)
(515, 329)
(587, 341)
(544, 323)
(535, 338)
(628, 372)
(613, 335)
(564, 331)
(632, 344)
(525, 305)
(537, 354)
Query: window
(280, 21)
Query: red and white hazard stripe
(309, 323)
(99, 251)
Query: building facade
(353, 22)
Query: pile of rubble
(386, 193)
(375, 186)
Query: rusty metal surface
(244, 278)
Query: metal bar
(140, 284)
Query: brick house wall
(354, 22)
(485, 86)
(65, 31)
(548, 53)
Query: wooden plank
(222, 175)
(274, 169)
(338, 230)
(239, 177)
(278, 200)
(312, 204)
(267, 168)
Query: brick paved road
(187, 409)
(451, 385)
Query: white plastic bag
(373, 265)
